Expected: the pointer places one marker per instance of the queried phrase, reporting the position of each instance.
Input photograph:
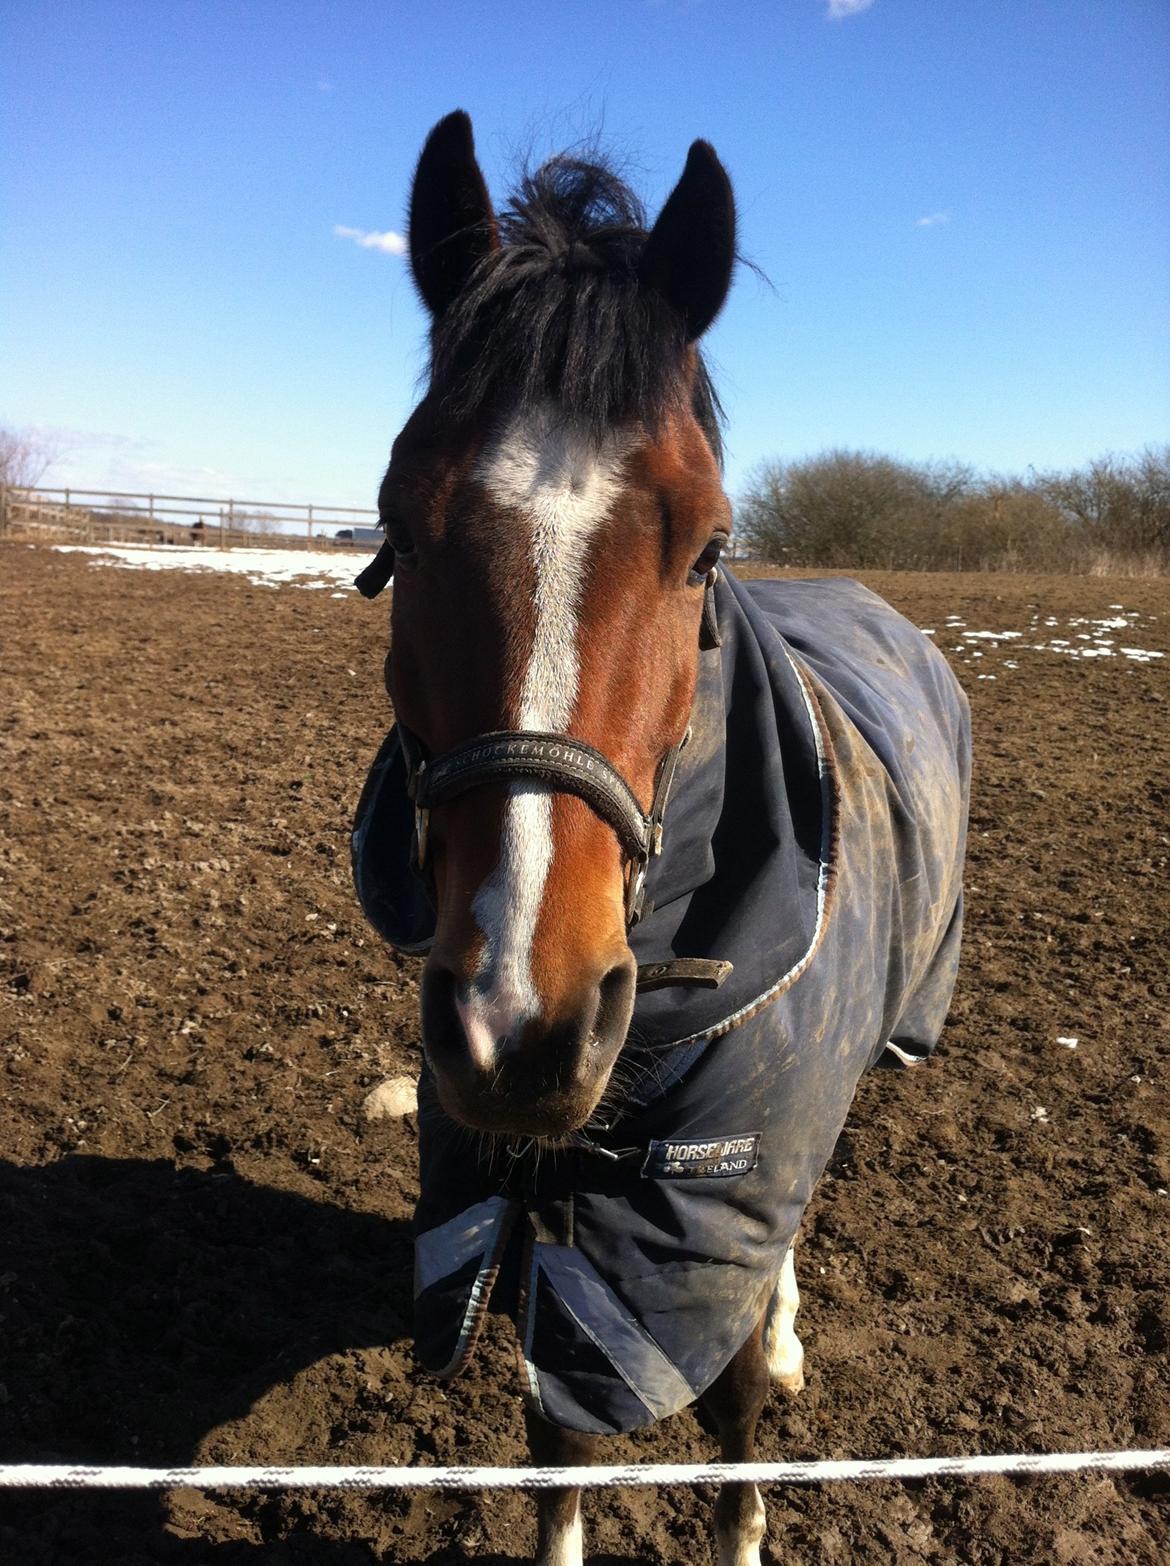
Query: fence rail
(77, 1476)
(112, 516)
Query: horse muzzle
(501, 1071)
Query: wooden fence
(96, 516)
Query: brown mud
(204, 1247)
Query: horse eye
(708, 560)
(398, 537)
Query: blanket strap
(707, 972)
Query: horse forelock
(557, 313)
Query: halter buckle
(635, 892)
(422, 819)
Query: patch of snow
(262, 567)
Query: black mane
(558, 312)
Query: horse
(684, 853)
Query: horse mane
(557, 312)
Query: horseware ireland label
(693, 1159)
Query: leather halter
(567, 766)
(563, 764)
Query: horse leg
(559, 1533)
(781, 1345)
(734, 1402)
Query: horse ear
(452, 225)
(691, 249)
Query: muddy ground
(204, 1247)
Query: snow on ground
(262, 567)
(1096, 640)
(1087, 637)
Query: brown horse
(554, 517)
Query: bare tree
(255, 522)
(849, 508)
(25, 457)
(860, 509)
(1118, 503)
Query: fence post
(231, 523)
(310, 540)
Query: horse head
(555, 509)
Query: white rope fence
(60, 1476)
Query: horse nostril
(461, 1037)
(615, 1001)
(442, 1029)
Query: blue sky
(963, 209)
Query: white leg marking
(550, 470)
(782, 1347)
(742, 1547)
(566, 1547)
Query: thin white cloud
(932, 220)
(840, 9)
(68, 439)
(325, 85)
(111, 469)
(389, 243)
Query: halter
(561, 763)
(565, 765)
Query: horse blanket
(814, 839)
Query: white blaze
(549, 471)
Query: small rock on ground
(392, 1099)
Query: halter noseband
(564, 764)
(568, 766)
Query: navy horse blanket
(814, 839)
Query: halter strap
(569, 766)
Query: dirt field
(204, 1247)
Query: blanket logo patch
(718, 1158)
